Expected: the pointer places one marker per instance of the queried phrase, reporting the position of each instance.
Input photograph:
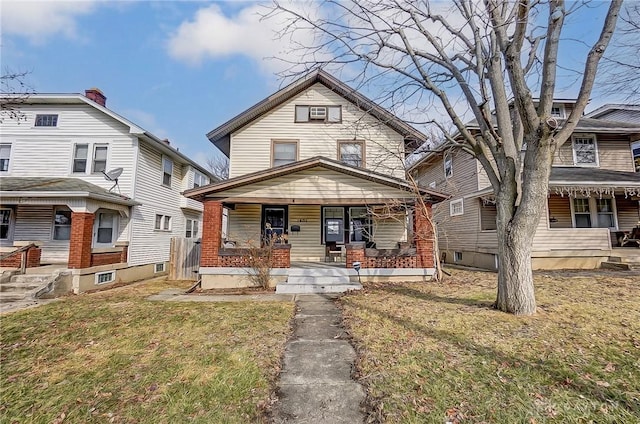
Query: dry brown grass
(116, 357)
(438, 351)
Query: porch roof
(592, 176)
(221, 189)
(40, 187)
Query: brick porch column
(81, 238)
(356, 253)
(211, 233)
(423, 235)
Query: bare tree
(621, 66)
(14, 90)
(219, 166)
(484, 59)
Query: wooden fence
(185, 259)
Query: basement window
(457, 256)
(159, 267)
(105, 277)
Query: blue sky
(177, 68)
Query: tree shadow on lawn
(406, 291)
(556, 371)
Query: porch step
(625, 259)
(9, 297)
(621, 266)
(22, 287)
(18, 287)
(336, 280)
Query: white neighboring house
(53, 190)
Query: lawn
(114, 357)
(437, 352)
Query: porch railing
(26, 260)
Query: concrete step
(8, 297)
(625, 259)
(31, 278)
(19, 287)
(288, 288)
(319, 279)
(623, 266)
(320, 272)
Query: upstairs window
(167, 171)
(163, 222)
(318, 113)
(456, 207)
(5, 155)
(284, 152)
(199, 179)
(46, 121)
(448, 166)
(191, 230)
(585, 151)
(557, 112)
(99, 158)
(635, 151)
(351, 153)
(80, 153)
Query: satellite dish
(113, 175)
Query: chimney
(96, 95)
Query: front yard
(114, 357)
(437, 352)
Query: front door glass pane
(334, 225)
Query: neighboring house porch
(313, 211)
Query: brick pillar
(33, 257)
(423, 235)
(81, 238)
(124, 255)
(211, 233)
(355, 253)
(281, 255)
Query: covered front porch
(315, 211)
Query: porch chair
(633, 237)
(333, 253)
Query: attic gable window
(46, 121)
(557, 112)
(448, 166)
(585, 150)
(305, 113)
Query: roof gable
(220, 136)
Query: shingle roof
(587, 176)
(64, 187)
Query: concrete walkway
(315, 384)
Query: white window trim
(162, 222)
(53, 224)
(455, 256)
(35, 119)
(155, 267)
(4, 143)
(595, 145)
(93, 158)
(114, 230)
(455, 203)
(91, 150)
(562, 111)
(202, 179)
(11, 225)
(634, 145)
(98, 274)
(164, 157)
(593, 212)
(449, 159)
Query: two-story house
(319, 167)
(98, 194)
(594, 191)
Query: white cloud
(39, 20)
(213, 35)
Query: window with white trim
(5, 224)
(594, 213)
(284, 152)
(105, 229)
(105, 277)
(635, 151)
(50, 120)
(167, 171)
(191, 228)
(351, 153)
(5, 156)
(557, 111)
(319, 113)
(456, 207)
(199, 179)
(585, 150)
(99, 158)
(448, 166)
(62, 224)
(80, 154)
(163, 222)
(159, 267)
(457, 256)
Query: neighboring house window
(5, 224)
(448, 166)
(199, 179)
(351, 153)
(635, 151)
(594, 213)
(167, 171)
(163, 222)
(80, 153)
(585, 151)
(99, 158)
(5, 156)
(456, 207)
(557, 112)
(62, 224)
(488, 215)
(284, 152)
(191, 229)
(318, 113)
(106, 228)
(46, 121)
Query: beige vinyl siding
(387, 232)
(547, 239)
(614, 152)
(251, 145)
(560, 209)
(148, 245)
(628, 213)
(316, 183)
(48, 151)
(244, 224)
(307, 244)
